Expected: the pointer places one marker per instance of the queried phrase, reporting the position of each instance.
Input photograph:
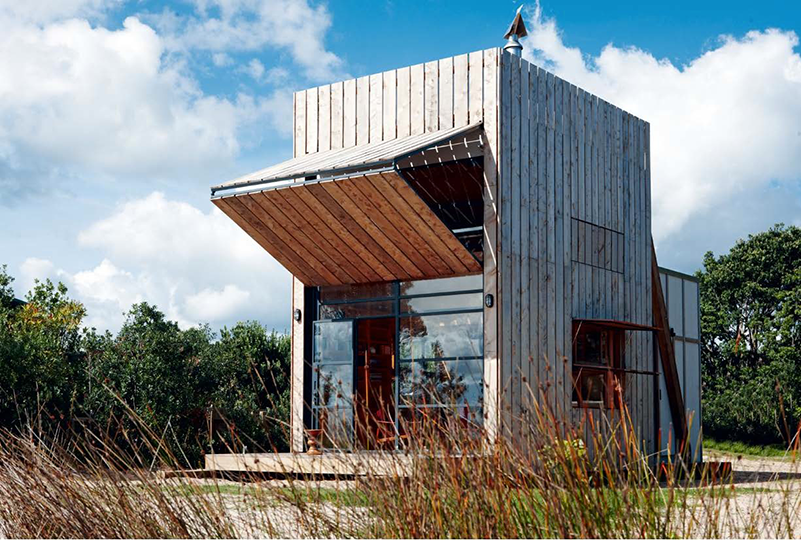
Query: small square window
(598, 371)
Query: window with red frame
(598, 374)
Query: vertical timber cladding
(451, 92)
(573, 241)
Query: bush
(152, 377)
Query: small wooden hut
(473, 219)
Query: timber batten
(402, 241)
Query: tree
(40, 354)
(151, 375)
(751, 337)
(252, 375)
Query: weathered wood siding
(573, 240)
(566, 207)
(451, 92)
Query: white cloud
(216, 305)
(32, 269)
(250, 25)
(255, 69)
(723, 126)
(41, 11)
(79, 98)
(221, 59)
(175, 256)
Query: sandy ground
(765, 501)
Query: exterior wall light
(489, 300)
(297, 315)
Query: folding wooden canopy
(348, 216)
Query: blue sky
(116, 116)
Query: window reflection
(442, 285)
(333, 342)
(336, 425)
(454, 382)
(344, 293)
(334, 385)
(441, 336)
(430, 304)
(356, 310)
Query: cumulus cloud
(74, 97)
(215, 305)
(42, 11)
(724, 126)
(196, 266)
(249, 25)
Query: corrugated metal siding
(362, 157)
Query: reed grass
(542, 478)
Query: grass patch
(346, 497)
(746, 449)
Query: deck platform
(338, 464)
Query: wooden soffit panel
(359, 229)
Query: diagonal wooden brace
(668, 356)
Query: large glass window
(439, 347)
(453, 335)
(332, 387)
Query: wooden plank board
(312, 126)
(484, 104)
(349, 114)
(475, 79)
(550, 232)
(445, 93)
(376, 125)
(389, 102)
(362, 110)
(461, 89)
(422, 210)
(300, 123)
(298, 361)
(542, 248)
(324, 118)
(404, 100)
(366, 223)
(311, 238)
(339, 242)
(382, 186)
(527, 75)
(417, 107)
(534, 356)
(394, 228)
(283, 228)
(337, 112)
(350, 233)
(252, 225)
(431, 96)
(558, 251)
(511, 232)
(504, 247)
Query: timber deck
(338, 464)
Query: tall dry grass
(545, 480)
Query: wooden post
(668, 356)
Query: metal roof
(361, 158)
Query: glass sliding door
(332, 388)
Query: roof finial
(516, 31)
